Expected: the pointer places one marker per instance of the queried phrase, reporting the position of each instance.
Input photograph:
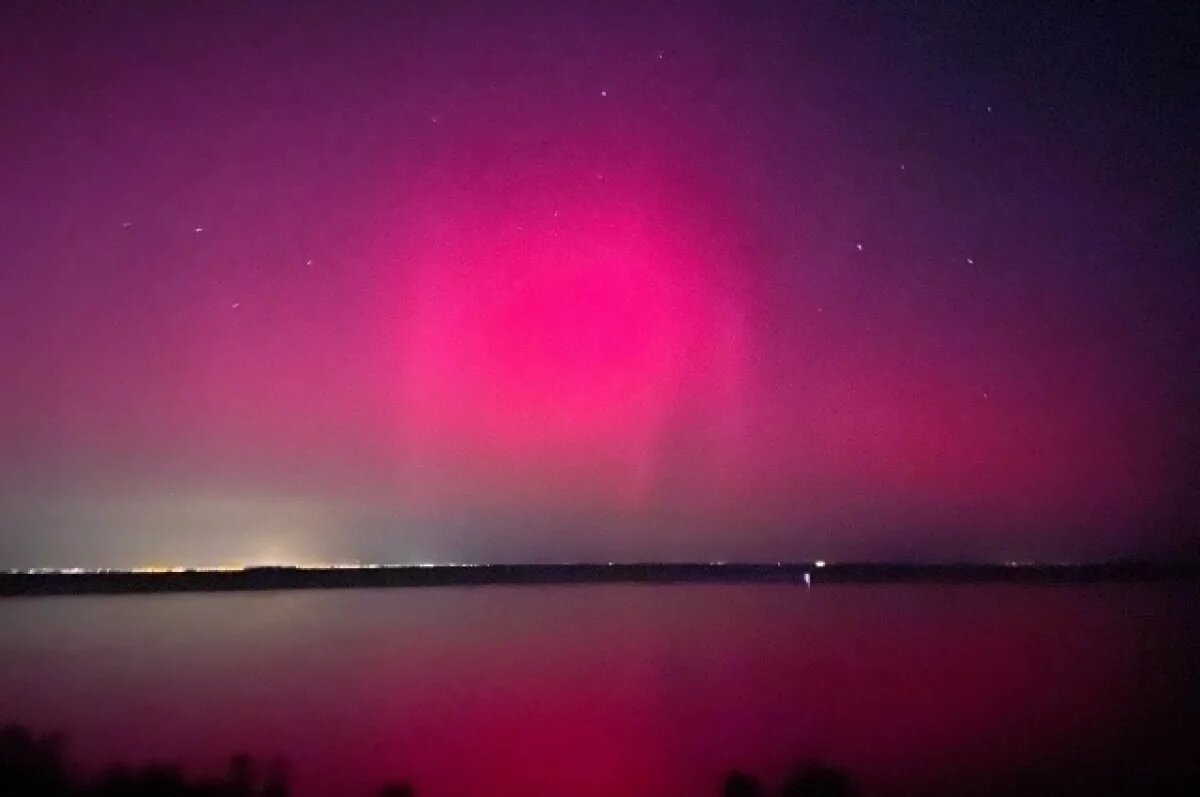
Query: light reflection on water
(602, 690)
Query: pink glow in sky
(551, 342)
(561, 283)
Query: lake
(608, 690)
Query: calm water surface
(614, 690)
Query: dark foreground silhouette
(810, 780)
(33, 765)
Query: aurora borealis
(582, 281)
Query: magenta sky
(561, 281)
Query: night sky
(562, 281)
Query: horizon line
(265, 578)
(817, 564)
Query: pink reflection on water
(596, 690)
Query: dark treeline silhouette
(33, 765)
(326, 577)
(36, 766)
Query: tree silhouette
(739, 784)
(818, 780)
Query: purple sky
(557, 281)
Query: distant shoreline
(42, 582)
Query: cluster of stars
(127, 225)
(435, 119)
(903, 168)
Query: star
(199, 229)
(603, 93)
(859, 246)
(989, 109)
(308, 262)
(235, 305)
(970, 262)
(125, 225)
